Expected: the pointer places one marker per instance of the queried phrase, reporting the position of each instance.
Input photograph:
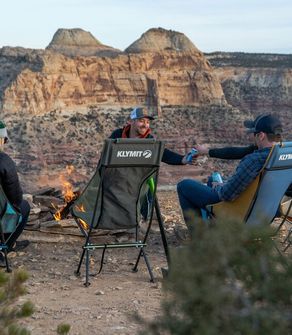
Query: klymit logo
(134, 154)
(147, 153)
(285, 157)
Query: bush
(11, 287)
(230, 279)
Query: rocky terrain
(60, 103)
(107, 306)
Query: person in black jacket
(139, 127)
(12, 189)
(235, 152)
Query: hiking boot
(19, 245)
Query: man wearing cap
(194, 196)
(139, 127)
(12, 189)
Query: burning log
(65, 210)
(68, 193)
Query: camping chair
(259, 203)
(10, 218)
(126, 173)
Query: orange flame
(83, 224)
(80, 208)
(67, 190)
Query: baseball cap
(266, 123)
(140, 113)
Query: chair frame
(251, 193)
(88, 246)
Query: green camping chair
(9, 220)
(126, 173)
(260, 202)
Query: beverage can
(191, 154)
(216, 177)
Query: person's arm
(231, 152)
(247, 170)
(172, 158)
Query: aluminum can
(191, 154)
(216, 177)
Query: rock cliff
(60, 103)
(77, 42)
(257, 83)
(153, 79)
(159, 40)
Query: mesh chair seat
(114, 196)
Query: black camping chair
(10, 218)
(126, 173)
(260, 202)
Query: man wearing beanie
(12, 189)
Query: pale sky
(212, 25)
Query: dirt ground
(107, 305)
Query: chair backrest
(260, 201)
(113, 197)
(9, 216)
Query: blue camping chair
(260, 202)
(10, 218)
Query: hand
(202, 149)
(215, 183)
(184, 160)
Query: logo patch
(147, 153)
(285, 157)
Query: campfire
(68, 193)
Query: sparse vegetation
(229, 280)
(11, 288)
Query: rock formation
(77, 42)
(257, 83)
(60, 105)
(159, 40)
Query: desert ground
(108, 304)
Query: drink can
(216, 177)
(191, 154)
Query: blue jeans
(194, 196)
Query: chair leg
(148, 265)
(6, 261)
(77, 272)
(87, 283)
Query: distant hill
(159, 39)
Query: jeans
(194, 196)
(24, 209)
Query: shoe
(20, 245)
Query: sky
(263, 26)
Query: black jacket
(232, 152)
(169, 157)
(9, 180)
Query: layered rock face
(153, 79)
(257, 83)
(60, 103)
(159, 40)
(77, 42)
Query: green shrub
(230, 279)
(11, 287)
